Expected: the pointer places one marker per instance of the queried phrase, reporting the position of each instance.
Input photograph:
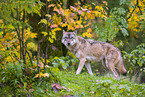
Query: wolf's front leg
(89, 68)
(81, 64)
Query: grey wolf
(87, 50)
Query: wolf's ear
(75, 32)
(64, 32)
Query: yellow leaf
(40, 74)
(56, 29)
(87, 25)
(64, 24)
(7, 59)
(1, 21)
(36, 75)
(77, 26)
(51, 40)
(71, 27)
(53, 37)
(1, 33)
(30, 45)
(44, 33)
(8, 36)
(89, 30)
(33, 35)
(121, 91)
(56, 58)
(87, 34)
(85, 18)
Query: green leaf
(126, 2)
(121, 11)
(123, 22)
(55, 65)
(124, 32)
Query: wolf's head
(69, 38)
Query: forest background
(32, 55)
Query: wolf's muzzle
(68, 43)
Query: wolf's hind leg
(89, 68)
(81, 64)
(111, 67)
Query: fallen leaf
(56, 87)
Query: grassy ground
(84, 85)
(72, 85)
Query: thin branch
(140, 10)
(18, 33)
(41, 40)
(28, 54)
(38, 52)
(23, 45)
(46, 54)
(17, 58)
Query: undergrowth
(84, 85)
(18, 81)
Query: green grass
(84, 85)
(81, 85)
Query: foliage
(70, 19)
(136, 7)
(113, 24)
(17, 79)
(15, 32)
(137, 59)
(64, 62)
(27, 67)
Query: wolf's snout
(68, 43)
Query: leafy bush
(64, 62)
(137, 60)
(18, 80)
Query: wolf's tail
(121, 67)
